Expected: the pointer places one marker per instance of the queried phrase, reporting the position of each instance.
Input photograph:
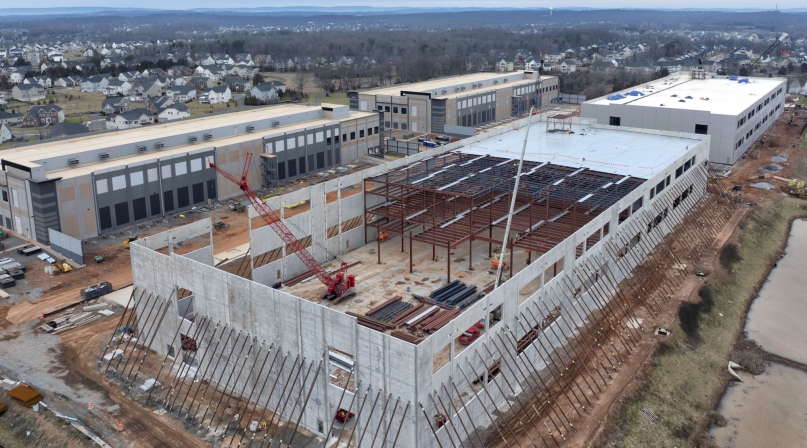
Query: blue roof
(635, 93)
(615, 97)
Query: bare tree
(301, 80)
(325, 79)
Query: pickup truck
(469, 336)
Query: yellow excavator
(794, 186)
(129, 240)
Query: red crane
(338, 286)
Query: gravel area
(30, 356)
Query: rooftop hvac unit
(73, 161)
(445, 91)
(209, 136)
(192, 138)
(141, 148)
(505, 79)
(495, 81)
(462, 88)
(456, 89)
(275, 123)
(250, 128)
(159, 145)
(103, 155)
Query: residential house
(603, 66)
(28, 92)
(67, 81)
(156, 103)
(43, 81)
(265, 92)
(532, 64)
(128, 76)
(156, 71)
(176, 81)
(115, 88)
(17, 76)
(279, 86)
(5, 133)
(49, 65)
(567, 66)
(200, 82)
(94, 83)
(180, 70)
(148, 90)
(43, 116)
(183, 94)
(237, 84)
(173, 112)
(206, 59)
(131, 119)
(223, 59)
(115, 105)
(216, 95)
(68, 130)
(242, 70)
(210, 71)
(9, 119)
(505, 64)
(641, 67)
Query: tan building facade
(458, 104)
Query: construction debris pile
(10, 272)
(74, 318)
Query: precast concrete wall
(397, 371)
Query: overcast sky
(189, 4)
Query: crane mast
(337, 286)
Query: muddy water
(768, 410)
(777, 319)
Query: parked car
(469, 336)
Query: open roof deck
(448, 200)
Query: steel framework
(456, 198)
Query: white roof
(626, 153)
(725, 96)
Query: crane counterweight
(337, 287)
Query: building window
(403, 110)
(395, 110)
(615, 121)
(375, 130)
(352, 136)
(386, 108)
(361, 133)
(701, 129)
(336, 140)
(344, 138)
(5, 196)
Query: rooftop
(613, 151)
(720, 95)
(447, 82)
(29, 155)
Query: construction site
(500, 290)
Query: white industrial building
(735, 111)
(594, 206)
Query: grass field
(201, 109)
(81, 104)
(311, 88)
(686, 377)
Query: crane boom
(336, 287)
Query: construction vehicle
(237, 207)
(469, 336)
(340, 285)
(344, 416)
(494, 262)
(129, 240)
(794, 186)
(62, 266)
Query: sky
(189, 4)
